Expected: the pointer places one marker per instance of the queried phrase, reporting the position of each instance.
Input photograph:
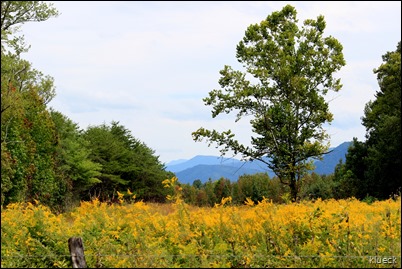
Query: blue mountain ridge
(213, 167)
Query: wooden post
(76, 248)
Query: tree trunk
(293, 187)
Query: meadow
(131, 233)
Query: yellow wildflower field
(329, 233)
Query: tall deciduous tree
(292, 69)
(27, 131)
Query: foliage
(350, 176)
(75, 170)
(27, 131)
(291, 69)
(317, 186)
(16, 13)
(126, 163)
(260, 186)
(330, 233)
(254, 187)
(372, 168)
(222, 189)
(382, 119)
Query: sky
(149, 64)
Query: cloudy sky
(149, 64)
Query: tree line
(45, 156)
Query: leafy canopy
(288, 70)
(16, 13)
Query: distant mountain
(202, 160)
(330, 160)
(212, 167)
(203, 172)
(176, 162)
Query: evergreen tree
(75, 171)
(127, 163)
(382, 119)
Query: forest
(46, 157)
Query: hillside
(205, 167)
(327, 165)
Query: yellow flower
(249, 202)
(120, 197)
(166, 183)
(381, 249)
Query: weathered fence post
(76, 248)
